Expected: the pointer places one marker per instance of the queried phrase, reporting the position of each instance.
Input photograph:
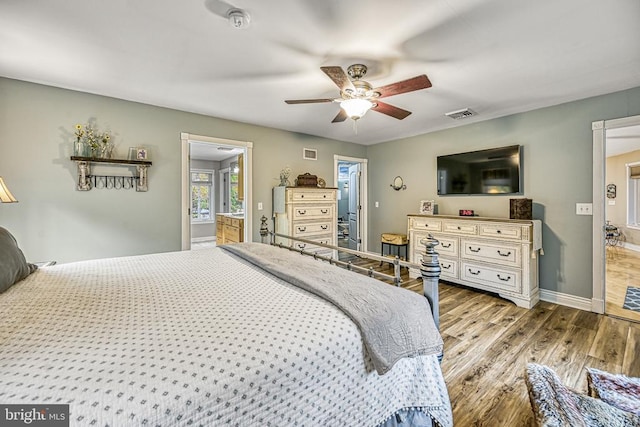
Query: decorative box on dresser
(497, 255)
(308, 213)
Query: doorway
(350, 178)
(206, 200)
(616, 225)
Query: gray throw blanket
(394, 322)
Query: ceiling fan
(358, 96)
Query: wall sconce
(398, 184)
(5, 194)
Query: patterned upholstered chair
(555, 405)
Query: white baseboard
(565, 299)
(203, 239)
(631, 247)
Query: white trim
(572, 301)
(186, 183)
(364, 197)
(631, 247)
(203, 239)
(599, 199)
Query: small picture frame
(132, 153)
(426, 207)
(142, 153)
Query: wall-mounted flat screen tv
(487, 172)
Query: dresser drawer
(460, 228)
(325, 240)
(423, 223)
(448, 245)
(313, 212)
(500, 253)
(232, 234)
(313, 195)
(492, 277)
(234, 222)
(306, 228)
(448, 267)
(504, 231)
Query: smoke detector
(238, 18)
(461, 114)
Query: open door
(355, 208)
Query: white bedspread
(196, 338)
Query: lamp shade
(356, 107)
(5, 194)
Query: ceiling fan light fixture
(356, 107)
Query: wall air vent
(461, 114)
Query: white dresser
(309, 213)
(497, 255)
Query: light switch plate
(584, 209)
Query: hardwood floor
(489, 341)
(622, 270)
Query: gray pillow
(13, 266)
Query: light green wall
(558, 163)
(53, 221)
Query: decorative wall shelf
(87, 181)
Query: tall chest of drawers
(491, 254)
(308, 213)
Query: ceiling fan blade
(339, 77)
(308, 101)
(341, 117)
(409, 85)
(390, 110)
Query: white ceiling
(496, 57)
(622, 140)
(214, 152)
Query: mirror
(398, 184)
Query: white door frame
(186, 183)
(223, 191)
(363, 194)
(599, 161)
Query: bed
(204, 338)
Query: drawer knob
(498, 231)
(325, 196)
(475, 273)
(501, 254)
(302, 212)
(324, 227)
(458, 227)
(446, 267)
(302, 229)
(445, 246)
(504, 279)
(324, 211)
(474, 250)
(301, 245)
(302, 196)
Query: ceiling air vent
(461, 114)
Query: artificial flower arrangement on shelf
(91, 143)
